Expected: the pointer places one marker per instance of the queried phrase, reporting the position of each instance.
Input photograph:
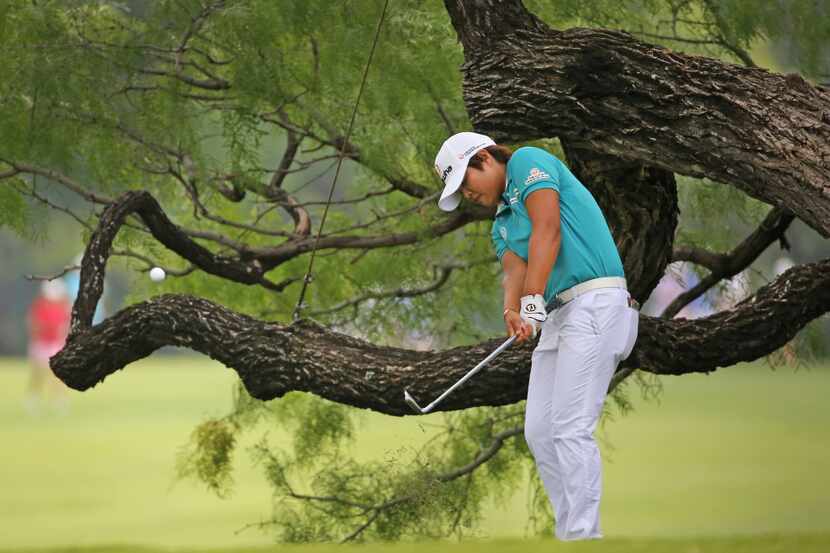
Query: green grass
(753, 544)
(740, 452)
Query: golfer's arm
(543, 246)
(514, 269)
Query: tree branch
(8, 174)
(93, 266)
(203, 211)
(727, 265)
(271, 257)
(274, 190)
(64, 180)
(722, 27)
(603, 90)
(699, 256)
(380, 217)
(351, 151)
(31, 192)
(273, 359)
(443, 277)
(204, 84)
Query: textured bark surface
(93, 267)
(640, 205)
(273, 359)
(755, 327)
(604, 91)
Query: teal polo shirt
(587, 249)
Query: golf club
(412, 403)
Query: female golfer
(563, 275)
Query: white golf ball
(157, 274)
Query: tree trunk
(606, 92)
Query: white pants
(579, 349)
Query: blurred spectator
(679, 277)
(48, 321)
(732, 291)
(782, 264)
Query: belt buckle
(555, 304)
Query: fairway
(754, 544)
(735, 453)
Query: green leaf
(13, 208)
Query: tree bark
(93, 266)
(604, 91)
(273, 359)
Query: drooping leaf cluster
(322, 493)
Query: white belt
(575, 291)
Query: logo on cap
(446, 172)
(471, 150)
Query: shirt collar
(505, 196)
(505, 199)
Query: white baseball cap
(451, 164)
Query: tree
(190, 127)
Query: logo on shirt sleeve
(503, 233)
(536, 175)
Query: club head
(411, 402)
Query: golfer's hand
(515, 325)
(533, 311)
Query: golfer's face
(483, 186)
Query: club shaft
(473, 371)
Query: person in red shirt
(48, 321)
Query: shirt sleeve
(534, 169)
(498, 241)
